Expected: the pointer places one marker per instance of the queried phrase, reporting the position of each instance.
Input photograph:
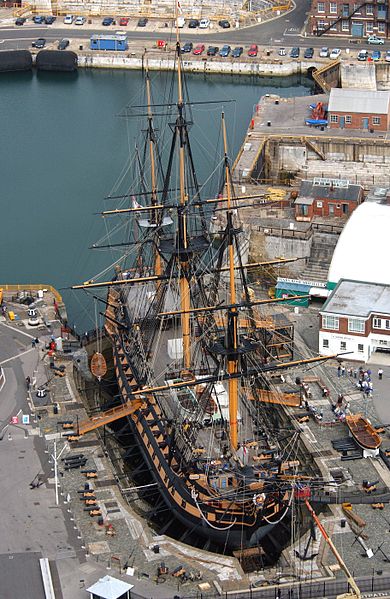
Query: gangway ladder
(90, 424)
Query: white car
(335, 53)
(324, 52)
(204, 23)
(387, 57)
(68, 19)
(282, 52)
(374, 39)
(79, 21)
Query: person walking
(380, 374)
(343, 370)
(339, 371)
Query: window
(357, 8)
(321, 7)
(387, 324)
(343, 345)
(334, 118)
(376, 120)
(355, 325)
(377, 323)
(321, 25)
(331, 209)
(382, 342)
(369, 9)
(325, 343)
(330, 322)
(344, 25)
(345, 10)
(348, 119)
(333, 8)
(369, 27)
(360, 348)
(381, 27)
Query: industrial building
(350, 17)
(330, 198)
(359, 109)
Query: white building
(355, 319)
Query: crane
(355, 591)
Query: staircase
(322, 248)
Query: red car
(199, 49)
(123, 21)
(253, 50)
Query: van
(180, 22)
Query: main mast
(232, 321)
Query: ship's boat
(362, 431)
(194, 352)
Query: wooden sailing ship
(190, 353)
(363, 432)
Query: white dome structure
(363, 247)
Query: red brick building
(328, 198)
(356, 17)
(359, 109)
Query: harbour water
(63, 147)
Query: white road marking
(17, 356)
(4, 381)
(16, 331)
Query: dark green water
(62, 148)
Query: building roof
(363, 246)
(354, 298)
(20, 575)
(303, 200)
(358, 100)
(314, 189)
(109, 588)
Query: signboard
(14, 420)
(25, 419)
(301, 282)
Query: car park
(387, 57)
(204, 23)
(193, 23)
(123, 21)
(224, 23)
(198, 50)
(79, 21)
(49, 20)
(225, 51)
(39, 43)
(107, 21)
(63, 44)
(253, 50)
(282, 51)
(308, 53)
(335, 53)
(212, 50)
(236, 52)
(142, 22)
(187, 47)
(38, 20)
(324, 52)
(373, 39)
(68, 19)
(376, 55)
(295, 52)
(362, 55)
(20, 21)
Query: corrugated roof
(358, 100)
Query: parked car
(79, 21)
(387, 57)
(373, 39)
(324, 52)
(20, 21)
(68, 19)
(282, 51)
(142, 22)
(38, 20)
(236, 52)
(308, 53)
(39, 43)
(212, 50)
(198, 50)
(376, 55)
(253, 50)
(49, 20)
(204, 23)
(295, 52)
(123, 21)
(63, 44)
(107, 21)
(362, 55)
(225, 51)
(193, 23)
(335, 53)
(187, 47)
(224, 24)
